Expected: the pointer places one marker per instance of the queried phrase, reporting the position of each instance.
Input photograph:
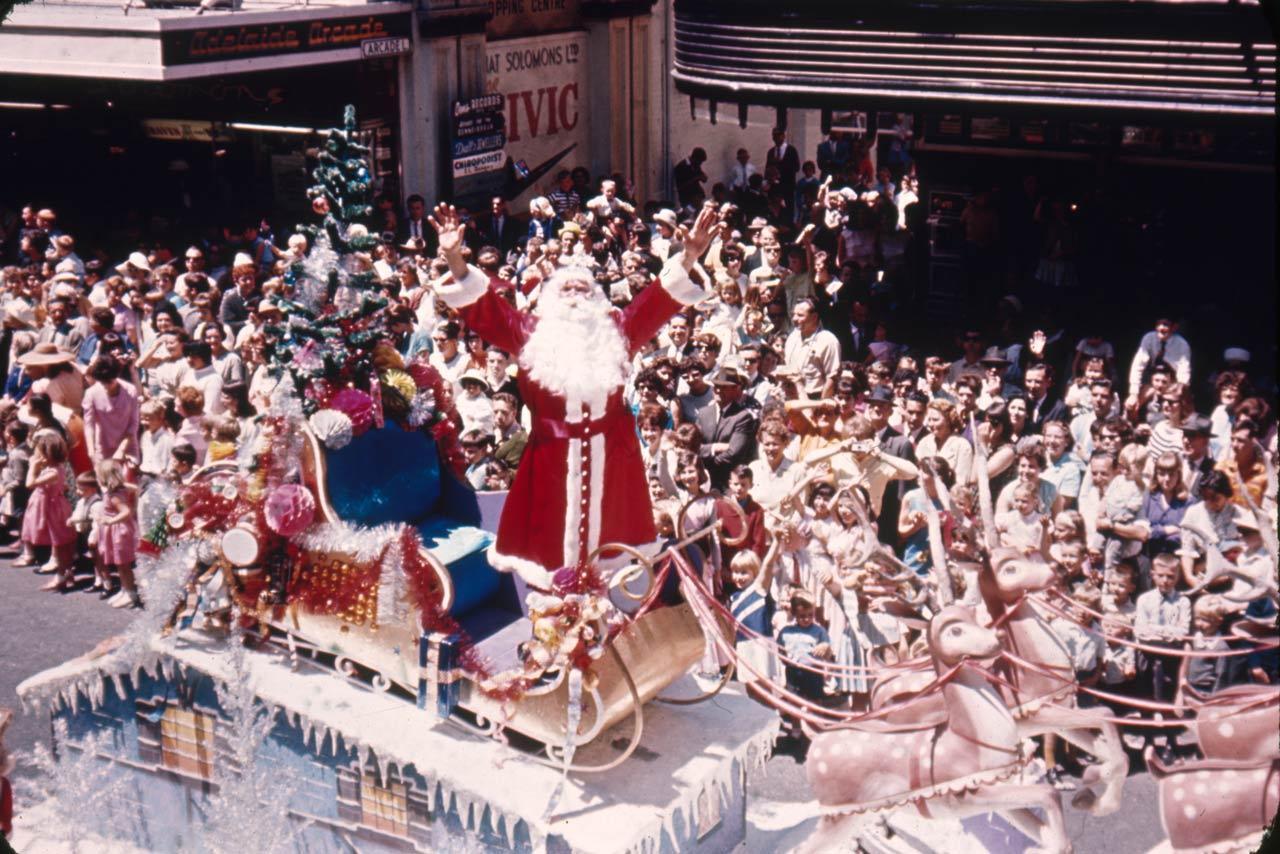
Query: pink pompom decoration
(424, 376)
(289, 509)
(357, 406)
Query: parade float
(335, 655)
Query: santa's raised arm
(581, 482)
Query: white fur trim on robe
(464, 293)
(675, 280)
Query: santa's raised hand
(450, 231)
(701, 235)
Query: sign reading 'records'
(373, 35)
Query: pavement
(40, 629)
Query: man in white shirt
(203, 375)
(1103, 397)
(971, 361)
(1162, 345)
(740, 175)
(812, 352)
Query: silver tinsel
(312, 289)
(422, 408)
(78, 786)
(250, 809)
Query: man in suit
(501, 230)
(415, 222)
(784, 156)
(833, 154)
(728, 428)
(1043, 404)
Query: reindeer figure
(1041, 702)
(962, 766)
(1216, 806)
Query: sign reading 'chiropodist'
(220, 44)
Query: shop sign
(476, 164)
(542, 82)
(393, 46)
(253, 41)
(478, 145)
(179, 130)
(531, 17)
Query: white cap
(1235, 354)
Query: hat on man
(729, 376)
(136, 260)
(757, 224)
(475, 375)
(1235, 354)
(1245, 520)
(65, 278)
(269, 306)
(46, 353)
(93, 265)
(994, 357)
(414, 245)
(1197, 425)
(880, 394)
(667, 217)
(64, 290)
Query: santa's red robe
(581, 482)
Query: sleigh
(394, 476)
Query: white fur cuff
(464, 293)
(677, 283)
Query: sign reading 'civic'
(372, 35)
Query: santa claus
(581, 482)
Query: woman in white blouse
(942, 439)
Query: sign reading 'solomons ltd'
(221, 44)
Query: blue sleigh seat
(390, 475)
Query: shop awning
(107, 40)
(1147, 58)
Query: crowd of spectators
(783, 403)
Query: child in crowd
(13, 484)
(1162, 617)
(45, 521)
(222, 433)
(1211, 674)
(190, 405)
(1081, 632)
(1024, 528)
(752, 607)
(804, 643)
(84, 520)
(118, 532)
(1119, 664)
(1121, 504)
(183, 463)
(156, 443)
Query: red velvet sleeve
(497, 322)
(647, 314)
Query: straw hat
(475, 375)
(667, 217)
(46, 353)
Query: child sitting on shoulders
(221, 433)
(1024, 528)
(1121, 504)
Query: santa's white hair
(576, 348)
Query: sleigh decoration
(391, 587)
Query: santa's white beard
(576, 350)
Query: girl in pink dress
(118, 532)
(45, 521)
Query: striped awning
(1148, 57)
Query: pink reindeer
(1215, 806)
(1042, 698)
(966, 765)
